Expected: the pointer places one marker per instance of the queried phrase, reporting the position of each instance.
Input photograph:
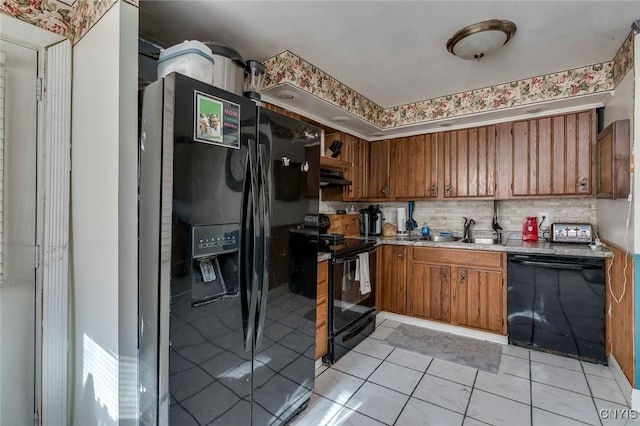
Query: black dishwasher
(556, 303)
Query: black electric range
(345, 247)
(336, 244)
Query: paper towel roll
(402, 219)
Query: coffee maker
(371, 221)
(530, 229)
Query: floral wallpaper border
(560, 85)
(623, 61)
(51, 15)
(72, 22)
(286, 67)
(85, 15)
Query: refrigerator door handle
(254, 273)
(265, 204)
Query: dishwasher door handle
(554, 265)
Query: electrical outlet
(546, 223)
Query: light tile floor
(376, 384)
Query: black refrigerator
(226, 298)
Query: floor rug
(475, 353)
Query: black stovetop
(348, 246)
(344, 247)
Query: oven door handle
(339, 260)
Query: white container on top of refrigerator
(228, 68)
(191, 58)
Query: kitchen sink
(440, 239)
(480, 240)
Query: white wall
(104, 219)
(613, 213)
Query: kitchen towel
(362, 273)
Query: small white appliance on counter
(402, 221)
(580, 233)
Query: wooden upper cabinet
(379, 158)
(552, 156)
(355, 151)
(469, 162)
(414, 167)
(613, 161)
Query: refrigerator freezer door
(211, 346)
(149, 251)
(243, 352)
(196, 357)
(285, 349)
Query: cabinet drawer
(322, 311)
(323, 271)
(323, 294)
(322, 341)
(322, 326)
(475, 258)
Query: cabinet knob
(448, 190)
(583, 185)
(384, 191)
(433, 190)
(463, 277)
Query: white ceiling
(393, 52)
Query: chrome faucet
(467, 228)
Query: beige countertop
(512, 246)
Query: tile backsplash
(448, 215)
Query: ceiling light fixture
(340, 119)
(480, 39)
(286, 94)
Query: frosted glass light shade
(478, 40)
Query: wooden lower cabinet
(429, 292)
(478, 299)
(460, 287)
(322, 310)
(393, 279)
